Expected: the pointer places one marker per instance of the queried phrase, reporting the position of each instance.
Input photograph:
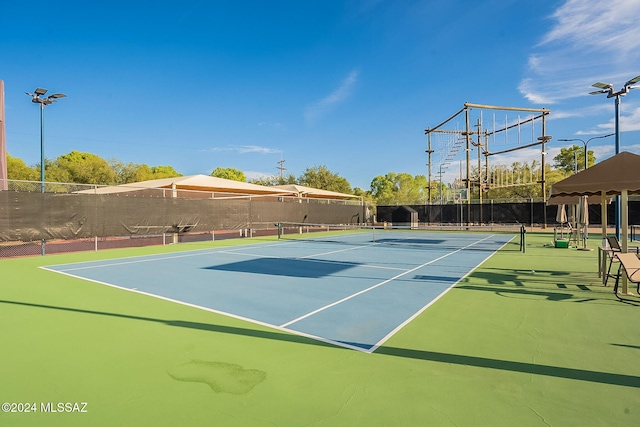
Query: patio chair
(631, 265)
(612, 252)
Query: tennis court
(353, 289)
(502, 347)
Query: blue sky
(346, 84)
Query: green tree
(572, 157)
(275, 180)
(229, 173)
(81, 168)
(366, 195)
(322, 178)
(399, 189)
(383, 189)
(159, 172)
(130, 172)
(18, 169)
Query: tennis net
(415, 236)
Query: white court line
(430, 303)
(224, 313)
(152, 258)
(338, 251)
(276, 327)
(284, 325)
(307, 258)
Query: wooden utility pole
(281, 168)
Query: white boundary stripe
(403, 324)
(283, 328)
(377, 285)
(307, 258)
(339, 250)
(194, 252)
(223, 313)
(157, 257)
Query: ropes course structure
(507, 132)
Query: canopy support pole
(624, 222)
(603, 215)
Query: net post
(523, 245)
(279, 227)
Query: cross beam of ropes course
(508, 131)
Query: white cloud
(256, 149)
(590, 40)
(243, 149)
(339, 95)
(601, 25)
(630, 121)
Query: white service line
(307, 258)
(152, 258)
(337, 251)
(284, 325)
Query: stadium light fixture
(38, 98)
(585, 143)
(608, 89)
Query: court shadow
(522, 367)
(431, 356)
(520, 277)
(256, 333)
(450, 279)
(635, 347)
(290, 267)
(551, 296)
(410, 241)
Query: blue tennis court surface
(352, 295)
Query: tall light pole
(585, 143)
(608, 89)
(37, 97)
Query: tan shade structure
(202, 183)
(618, 175)
(612, 176)
(574, 200)
(221, 187)
(303, 191)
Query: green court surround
(505, 347)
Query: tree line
(518, 180)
